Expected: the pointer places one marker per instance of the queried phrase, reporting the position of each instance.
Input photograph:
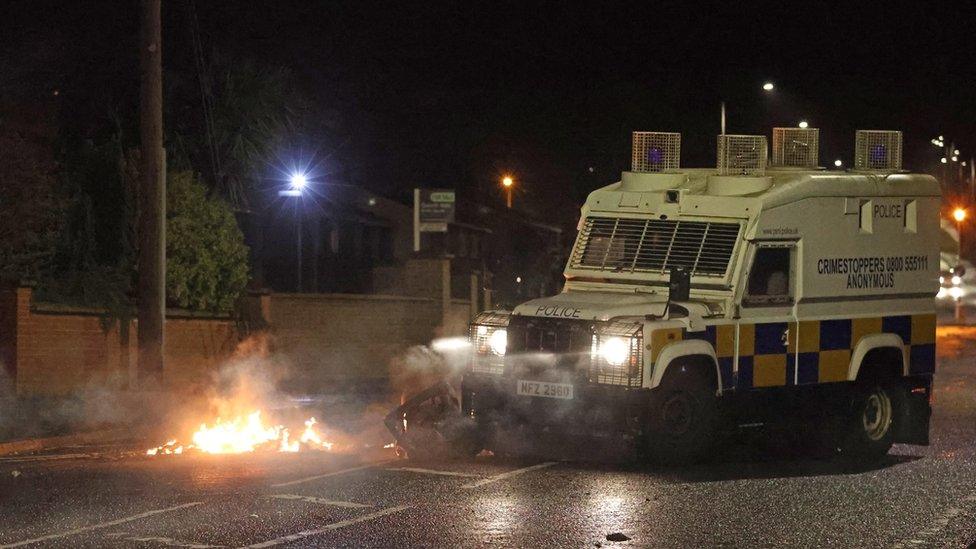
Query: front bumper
(595, 409)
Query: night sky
(455, 96)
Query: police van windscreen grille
(796, 147)
(878, 150)
(623, 245)
(655, 152)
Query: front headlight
(615, 350)
(616, 353)
(489, 338)
(498, 341)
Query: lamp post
(507, 183)
(959, 215)
(297, 183)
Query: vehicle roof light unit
(877, 150)
(655, 152)
(796, 147)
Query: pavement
(751, 495)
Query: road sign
(433, 209)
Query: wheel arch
(875, 350)
(683, 352)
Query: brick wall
(8, 338)
(59, 350)
(326, 339)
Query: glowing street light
(768, 86)
(803, 124)
(943, 160)
(298, 181)
(838, 162)
(508, 183)
(959, 214)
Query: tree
(247, 113)
(206, 260)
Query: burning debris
(246, 434)
(239, 396)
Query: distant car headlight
(615, 350)
(956, 280)
(498, 341)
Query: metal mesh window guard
(655, 245)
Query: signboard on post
(433, 209)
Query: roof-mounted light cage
(796, 147)
(742, 155)
(877, 150)
(656, 152)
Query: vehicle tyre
(683, 422)
(870, 425)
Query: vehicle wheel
(683, 422)
(870, 425)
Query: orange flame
(246, 434)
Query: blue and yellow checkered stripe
(821, 353)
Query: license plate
(545, 389)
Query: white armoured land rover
(697, 299)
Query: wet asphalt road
(920, 497)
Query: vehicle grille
(627, 245)
(575, 341)
(530, 334)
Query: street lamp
(508, 182)
(959, 214)
(768, 86)
(803, 124)
(297, 184)
(838, 162)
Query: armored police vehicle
(702, 299)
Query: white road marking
(938, 525)
(100, 525)
(510, 474)
(320, 501)
(334, 526)
(332, 474)
(170, 542)
(433, 472)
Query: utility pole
(152, 198)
